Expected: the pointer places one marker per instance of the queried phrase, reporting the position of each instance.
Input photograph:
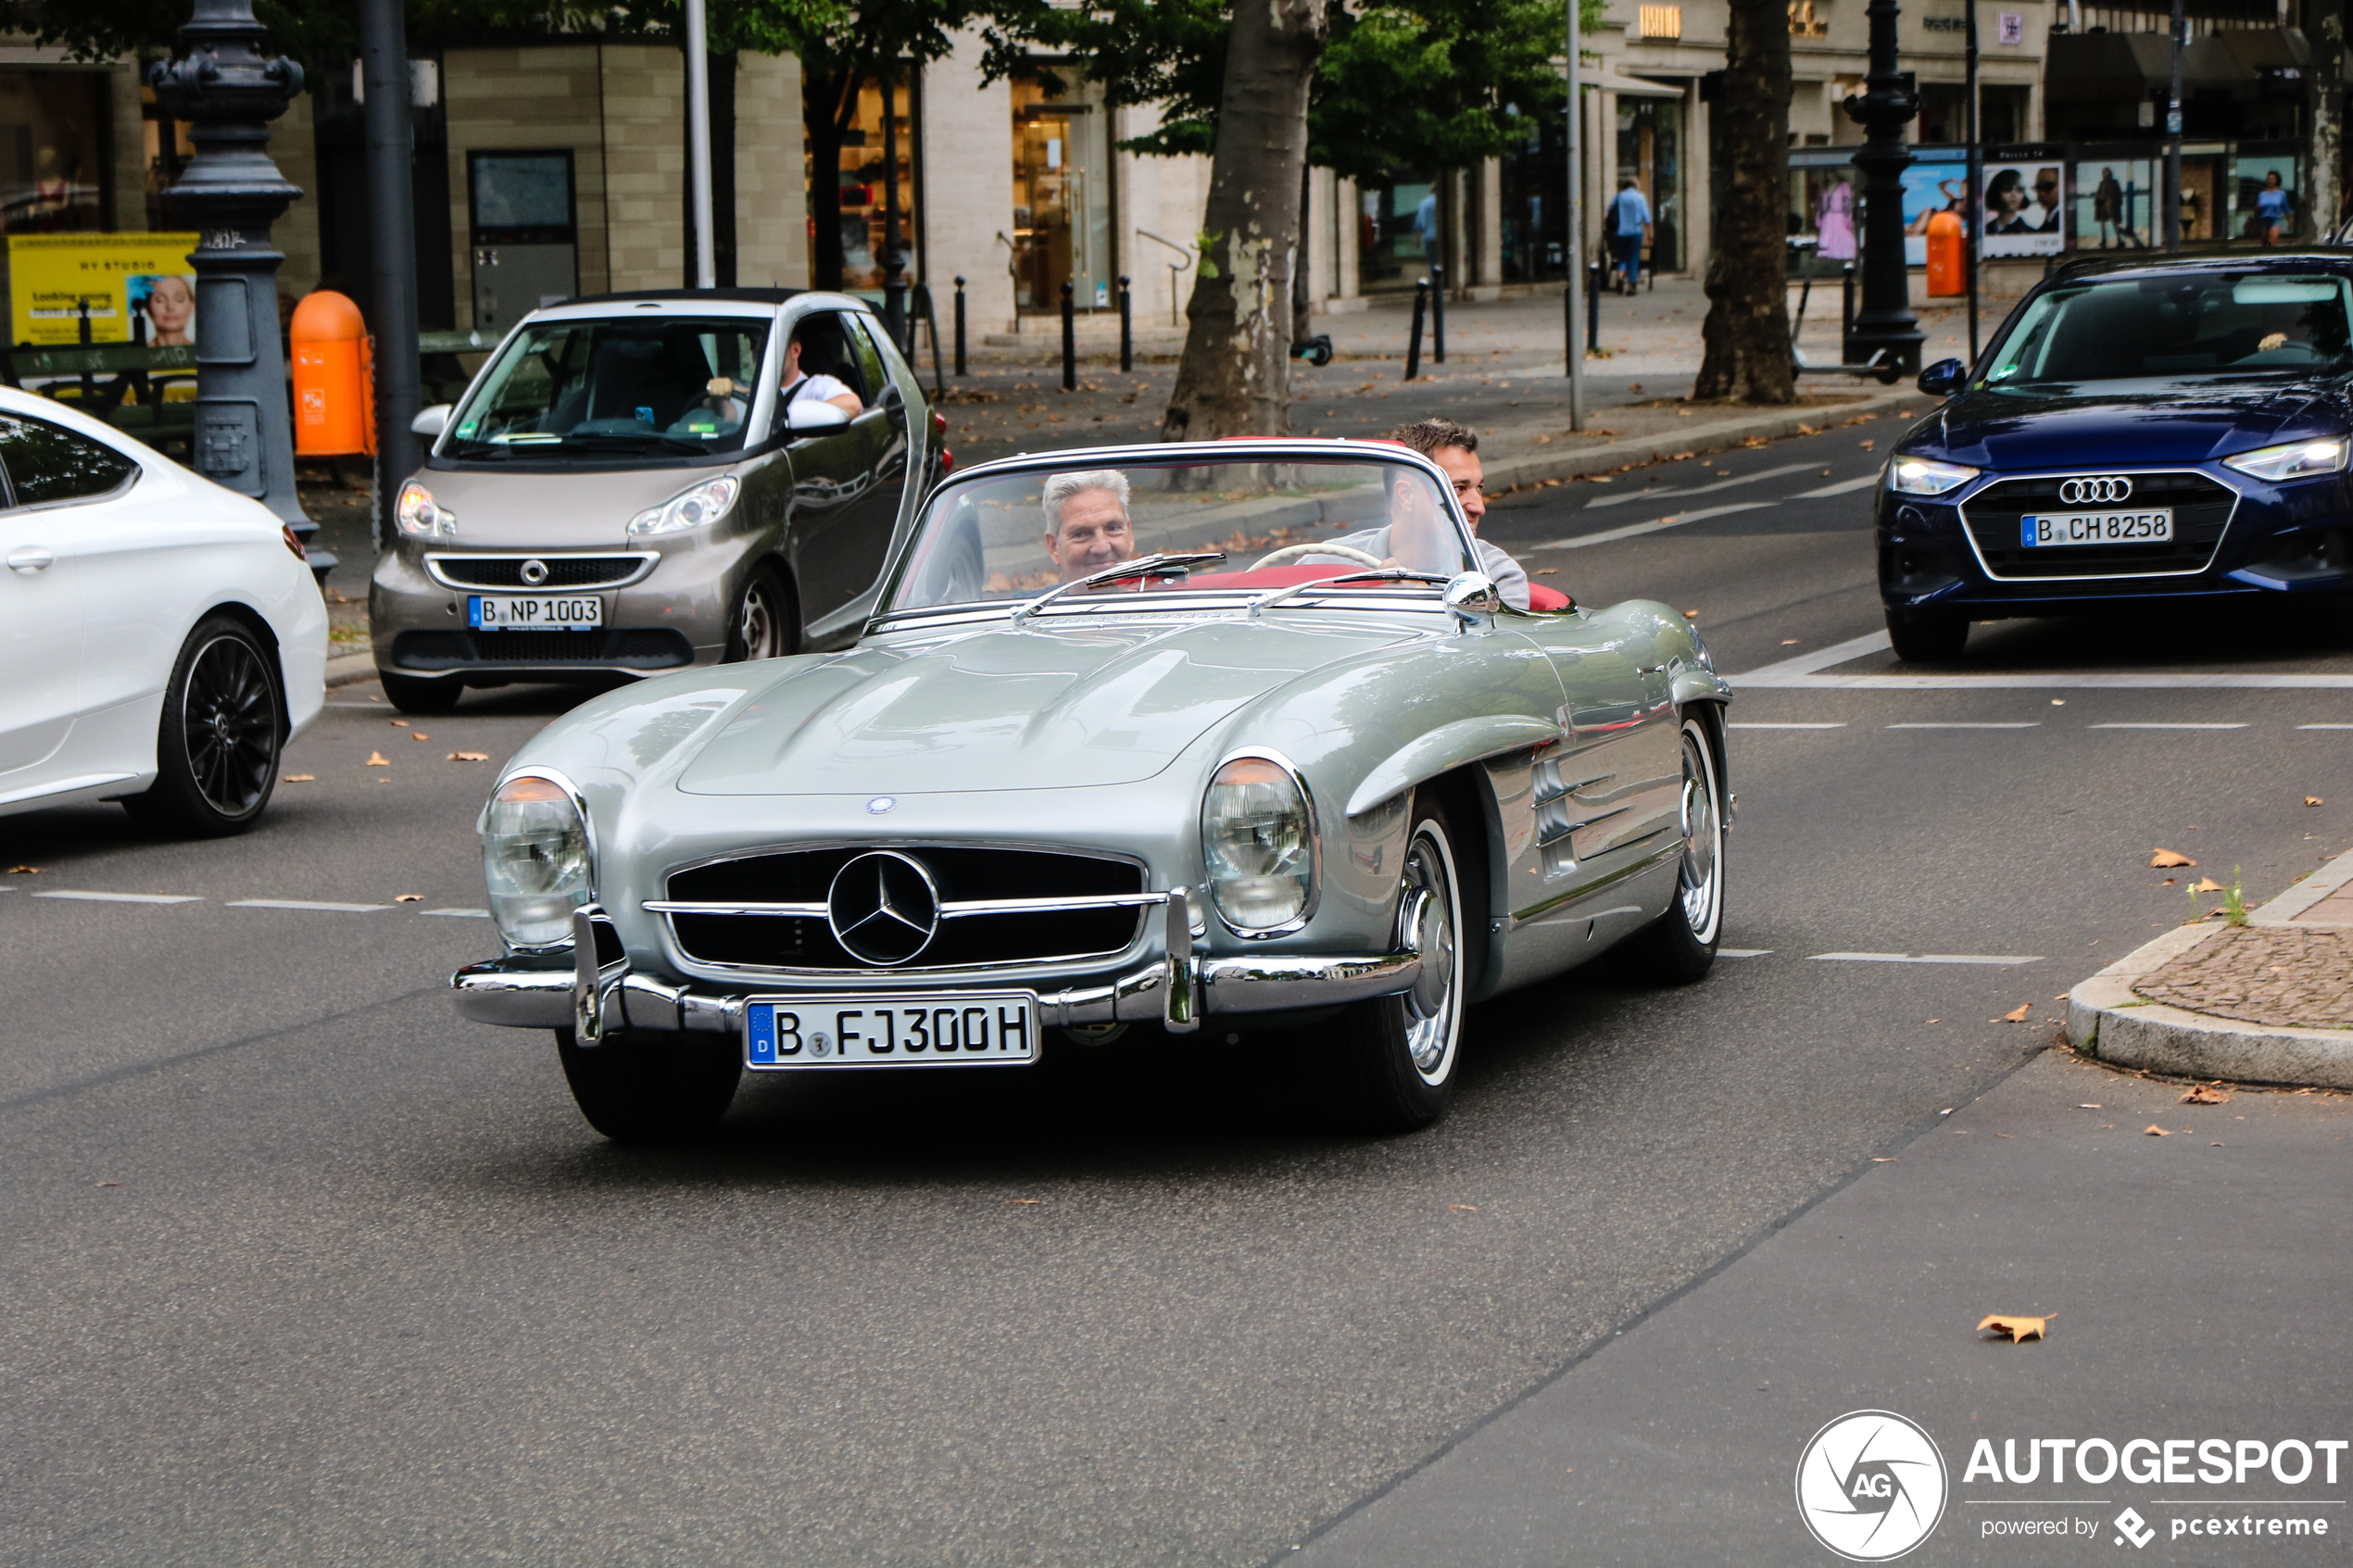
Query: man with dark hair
(1416, 534)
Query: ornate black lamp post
(1885, 326)
(231, 194)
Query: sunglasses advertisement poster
(2025, 208)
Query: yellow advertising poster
(139, 288)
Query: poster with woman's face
(168, 300)
(2025, 209)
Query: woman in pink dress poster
(1834, 222)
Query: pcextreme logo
(1870, 1485)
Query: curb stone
(347, 668)
(2108, 1020)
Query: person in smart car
(800, 384)
(1087, 524)
(1416, 535)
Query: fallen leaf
(2203, 1094)
(1876, 1159)
(1689, 614)
(1029, 1201)
(2151, 1130)
(2086, 1105)
(1786, 642)
(35, 870)
(1549, 570)
(2163, 859)
(378, 759)
(419, 897)
(2170, 880)
(2210, 1145)
(420, 735)
(1866, 446)
(485, 755)
(403, 723)
(119, 1184)
(1998, 1135)
(2308, 800)
(2017, 1015)
(1932, 1020)
(313, 778)
(2204, 883)
(1472, 1208)
(2016, 1326)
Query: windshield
(628, 385)
(2187, 328)
(1276, 524)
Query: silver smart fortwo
(625, 490)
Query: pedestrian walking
(2271, 208)
(1629, 229)
(1425, 227)
(2108, 207)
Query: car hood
(2012, 431)
(1044, 707)
(549, 508)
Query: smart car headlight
(2296, 459)
(1258, 843)
(706, 503)
(535, 859)
(419, 518)
(1926, 476)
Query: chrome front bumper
(1176, 992)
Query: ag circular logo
(1870, 1485)
(2112, 487)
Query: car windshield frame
(610, 444)
(2033, 326)
(1388, 596)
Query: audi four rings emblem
(2111, 487)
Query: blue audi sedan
(2156, 434)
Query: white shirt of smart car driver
(1087, 524)
(832, 389)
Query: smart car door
(833, 480)
(40, 646)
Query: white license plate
(536, 612)
(2152, 527)
(960, 1029)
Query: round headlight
(534, 861)
(1257, 845)
(415, 515)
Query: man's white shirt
(824, 387)
(1509, 578)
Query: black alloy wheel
(224, 729)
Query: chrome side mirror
(1474, 601)
(814, 416)
(430, 422)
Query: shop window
(867, 175)
(1650, 149)
(1397, 228)
(53, 157)
(1062, 197)
(1535, 174)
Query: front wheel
(641, 1086)
(1927, 636)
(224, 727)
(764, 625)
(1394, 1056)
(1680, 947)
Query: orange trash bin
(334, 400)
(1947, 270)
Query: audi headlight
(2297, 460)
(419, 518)
(706, 503)
(1258, 843)
(1926, 476)
(535, 860)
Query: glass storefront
(52, 151)
(1397, 225)
(1535, 194)
(1650, 148)
(1061, 197)
(865, 180)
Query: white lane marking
(1841, 488)
(1968, 724)
(1805, 672)
(1759, 724)
(307, 904)
(1741, 952)
(1609, 535)
(1701, 489)
(125, 897)
(2324, 726)
(461, 914)
(2166, 726)
(1820, 658)
(1925, 958)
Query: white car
(161, 639)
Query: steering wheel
(1294, 552)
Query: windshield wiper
(1142, 566)
(1386, 574)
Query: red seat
(1542, 597)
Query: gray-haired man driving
(1087, 525)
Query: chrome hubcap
(1426, 922)
(757, 632)
(1701, 883)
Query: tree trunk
(1746, 332)
(2323, 200)
(1235, 376)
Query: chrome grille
(562, 572)
(2201, 511)
(1076, 908)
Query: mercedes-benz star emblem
(883, 908)
(535, 572)
(880, 804)
(2110, 487)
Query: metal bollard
(1126, 328)
(1438, 315)
(1070, 342)
(1594, 275)
(960, 326)
(1846, 314)
(1414, 342)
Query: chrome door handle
(29, 558)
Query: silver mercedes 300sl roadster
(1211, 735)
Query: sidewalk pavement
(2268, 1003)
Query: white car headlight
(535, 859)
(1258, 842)
(419, 518)
(1926, 476)
(2297, 460)
(706, 503)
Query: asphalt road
(301, 1268)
